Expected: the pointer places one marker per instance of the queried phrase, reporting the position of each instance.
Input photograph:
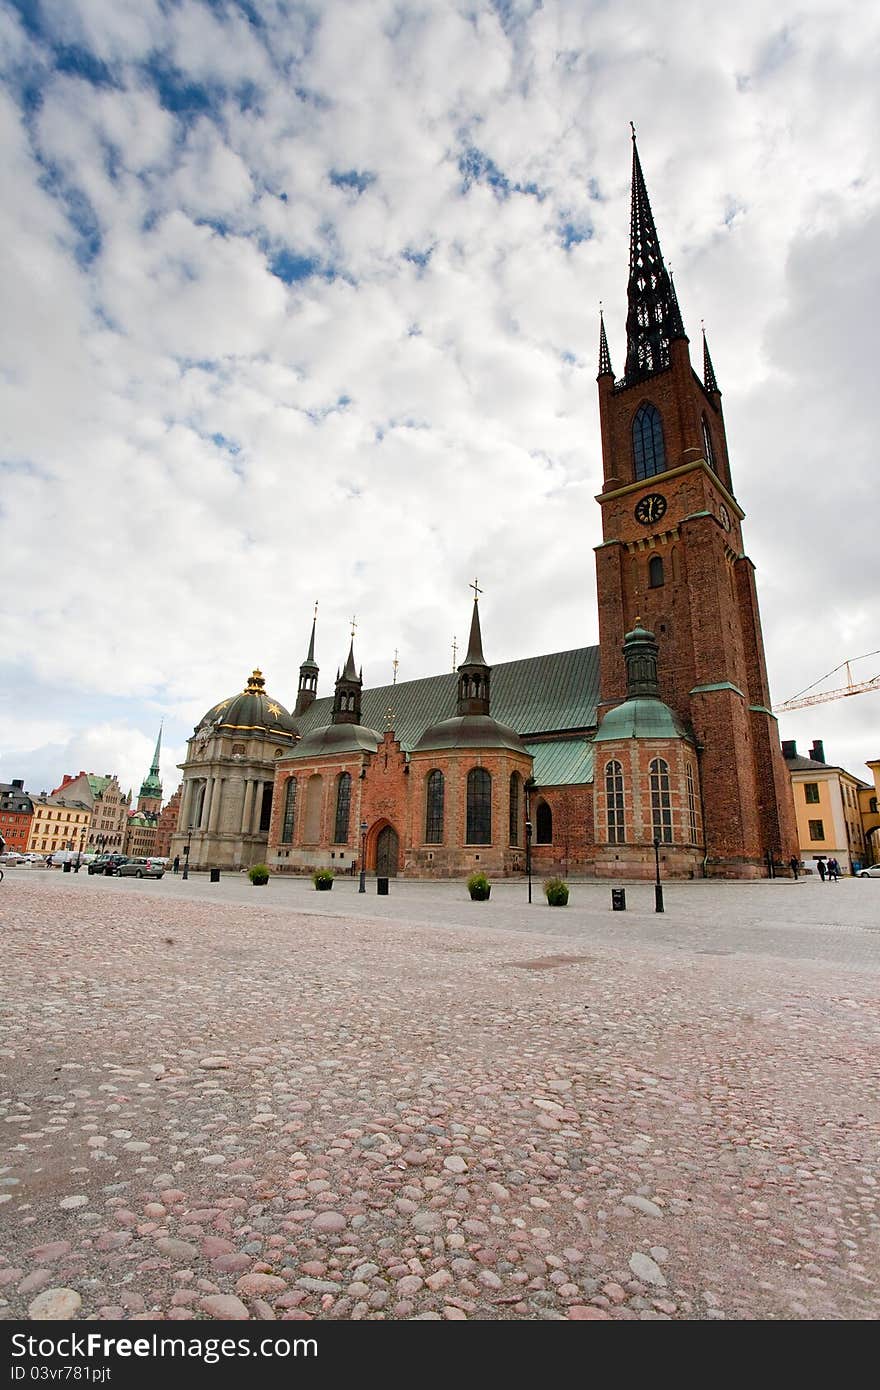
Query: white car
(873, 871)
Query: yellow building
(869, 800)
(827, 807)
(58, 822)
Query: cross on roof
(476, 588)
(353, 621)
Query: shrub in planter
(479, 887)
(556, 890)
(323, 880)
(259, 875)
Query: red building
(660, 741)
(16, 814)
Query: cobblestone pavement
(224, 1102)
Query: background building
(16, 814)
(109, 807)
(143, 823)
(167, 824)
(827, 807)
(59, 822)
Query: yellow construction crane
(851, 688)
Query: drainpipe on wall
(699, 748)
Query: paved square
(224, 1101)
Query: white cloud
(194, 451)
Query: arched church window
(614, 802)
(515, 784)
(661, 801)
(655, 572)
(289, 811)
(692, 804)
(543, 824)
(649, 454)
(708, 452)
(434, 791)
(314, 799)
(343, 807)
(479, 807)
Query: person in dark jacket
(794, 864)
(822, 867)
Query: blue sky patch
(573, 233)
(358, 181)
(477, 167)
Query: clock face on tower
(651, 508)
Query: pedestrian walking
(833, 869)
(794, 864)
(820, 865)
(176, 862)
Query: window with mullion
(434, 807)
(479, 807)
(661, 801)
(343, 807)
(514, 808)
(614, 802)
(649, 453)
(289, 811)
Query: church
(661, 740)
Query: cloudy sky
(300, 302)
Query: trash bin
(66, 866)
(618, 900)
(215, 875)
(382, 887)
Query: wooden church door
(387, 848)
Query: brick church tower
(672, 559)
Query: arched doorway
(387, 851)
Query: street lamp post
(362, 885)
(186, 850)
(658, 886)
(529, 855)
(79, 852)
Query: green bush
(556, 890)
(323, 879)
(478, 887)
(259, 874)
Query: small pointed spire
(605, 368)
(349, 672)
(654, 318)
(310, 658)
(708, 370)
(474, 655)
(154, 765)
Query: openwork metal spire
(654, 318)
(708, 370)
(605, 368)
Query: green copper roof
(536, 695)
(97, 785)
(641, 718)
(562, 762)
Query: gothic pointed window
(515, 783)
(655, 572)
(649, 453)
(343, 807)
(289, 811)
(544, 824)
(614, 802)
(708, 452)
(661, 801)
(479, 807)
(434, 807)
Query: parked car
(107, 864)
(141, 868)
(872, 871)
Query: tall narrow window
(434, 807)
(479, 807)
(314, 799)
(515, 781)
(544, 824)
(692, 804)
(661, 801)
(649, 454)
(708, 452)
(655, 572)
(289, 811)
(343, 806)
(614, 802)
